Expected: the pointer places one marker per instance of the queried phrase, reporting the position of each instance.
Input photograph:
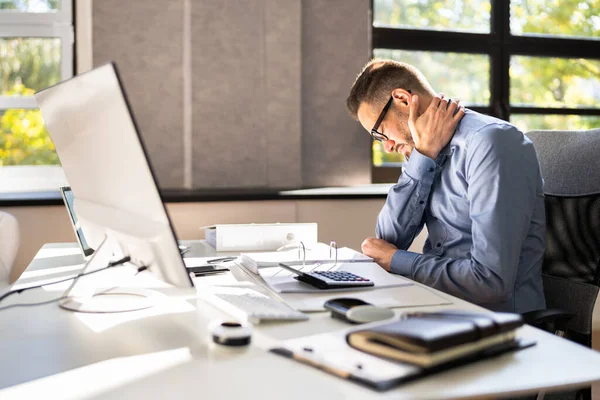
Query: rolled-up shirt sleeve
(401, 218)
(501, 171)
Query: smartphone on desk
(201, 270)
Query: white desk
(165, 352)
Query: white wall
(348, 222)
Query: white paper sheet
(331, 350)
(282, 281)
(405, 296)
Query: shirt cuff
(402, 263)
(420, 167)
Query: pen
(316, 363)
(222, 259)
(204, 273)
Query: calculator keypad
(340, 276)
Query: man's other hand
(379, 250)
(433, 129)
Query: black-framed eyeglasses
(375, 134)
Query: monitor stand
(86, 298)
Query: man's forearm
(464, 278)
(401, 218)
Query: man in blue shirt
(474, 180)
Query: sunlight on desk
(164, 305)
(102, 377)
(58, 252)
(50, 288)
(49, 271)
(220, 280)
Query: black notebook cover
(427, 333)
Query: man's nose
(388, 146)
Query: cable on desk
(141, 269)
(41, 303)
(76, 277)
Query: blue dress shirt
(483, 203)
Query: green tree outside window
(27, 65)
(534, 81)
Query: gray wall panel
(269, 79)
(145, 39)
(284, 92)
(228, 54)
(335, 36)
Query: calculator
(330, 279)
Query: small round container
(229, 333)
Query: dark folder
(430, 339)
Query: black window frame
(499, 45)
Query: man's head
(388, 83)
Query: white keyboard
(254, 306)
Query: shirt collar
(449, 148)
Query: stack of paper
(316, 253)
(282, 281)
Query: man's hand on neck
(433, 129)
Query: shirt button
(421, 202)
(429, 169)
(439, 245)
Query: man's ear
(402, 95)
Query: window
(36, 51)
(535, 63)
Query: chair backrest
(570, 164)
(9, 246)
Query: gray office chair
(570, 163)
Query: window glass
(30, 6)
(460, 75)
(457, 15)
(28, 65)
(24, 139)
(529, 122)
(383, 159)
(554, 82)
(35, 52)
(555, 18)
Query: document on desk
(282, 281)
(316, 253)
(404, 296)
(331, 353)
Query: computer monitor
(104, 159)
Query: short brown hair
(377, 80)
